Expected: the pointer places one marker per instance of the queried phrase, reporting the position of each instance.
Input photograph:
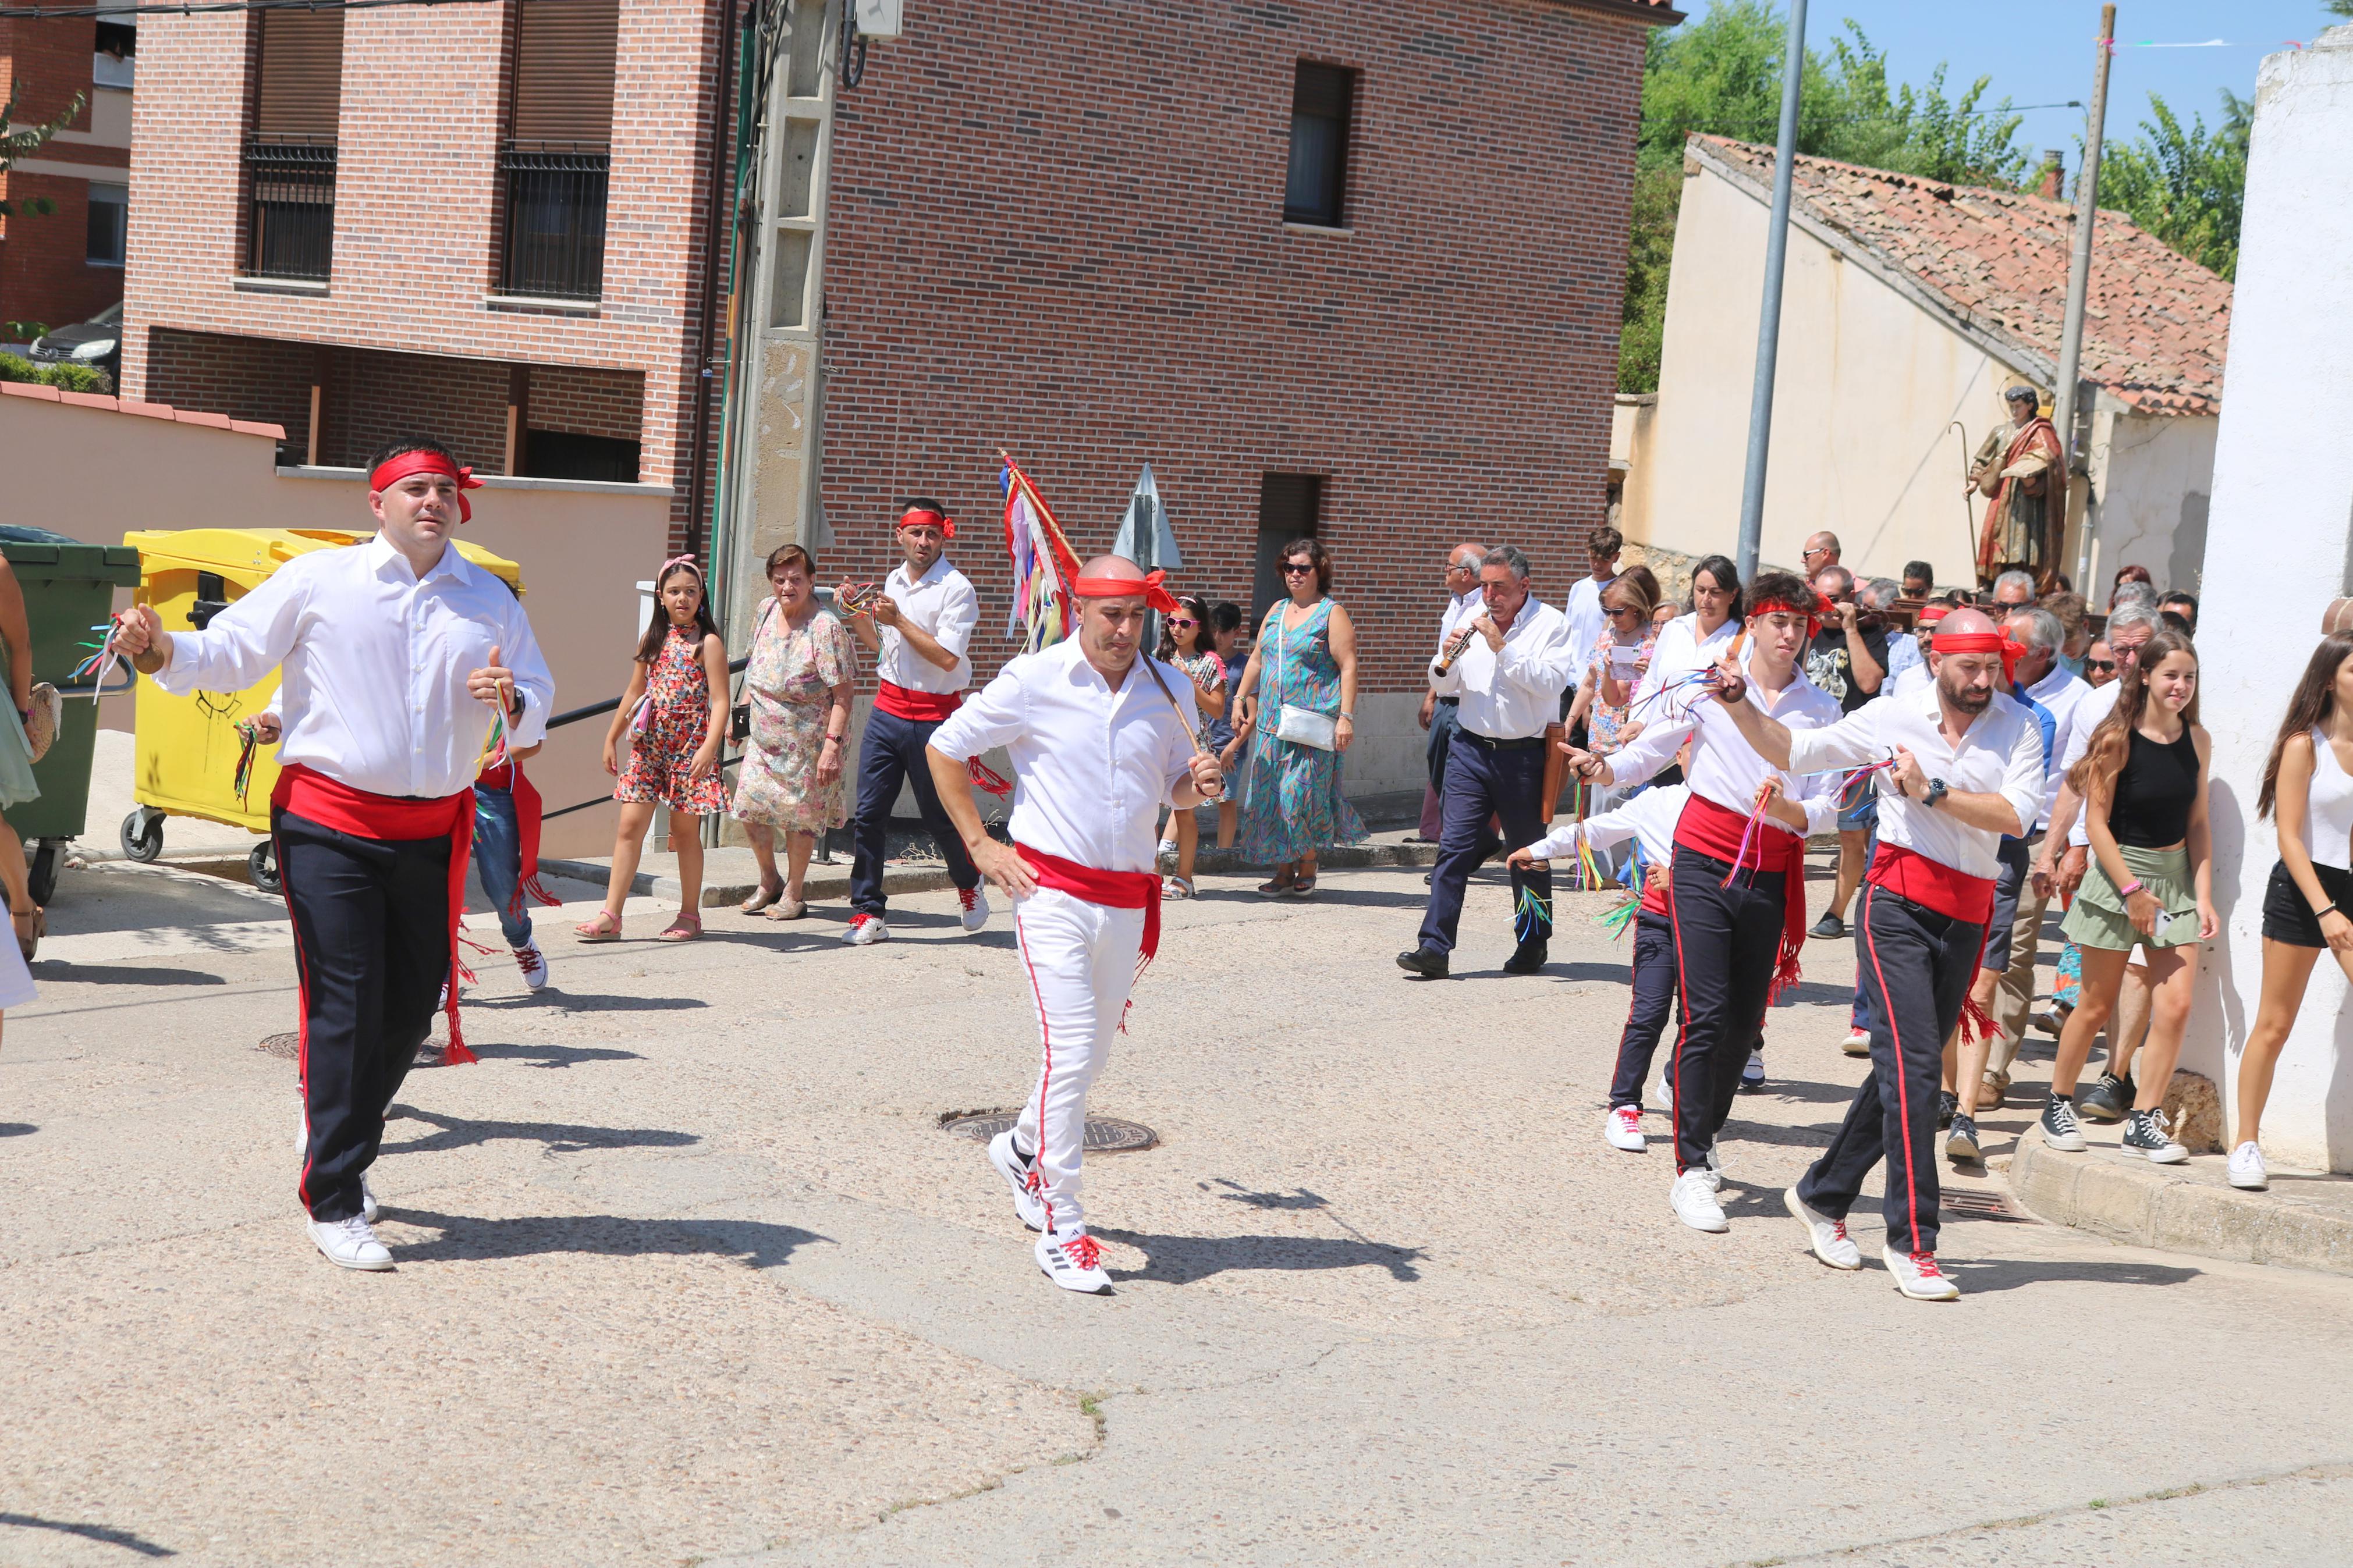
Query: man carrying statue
(2022, 469)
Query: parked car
(97, 342)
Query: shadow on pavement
(592, 1002)
(1982, 1275)
(1183, 1259)
(545, 1056)
(106, 1533)
(17, 1129)
(67, 973)
(561, 1137)
(465, 1239)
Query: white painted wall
(2283, 547)
(2152, 479)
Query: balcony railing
(555, 222)
(292, 223)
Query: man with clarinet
(1507, 665)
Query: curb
(2152, 1206)
(823, 884)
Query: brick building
(483, 221)
(65, 266)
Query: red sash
(329, 803)
(1718, 831)
(1932, 885)
(1111, 890)
(921, 706)
(529, 809)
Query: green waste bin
(69, 588)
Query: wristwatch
(1938, 791)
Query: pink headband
(689, 561)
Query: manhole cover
(1106, 1134)
(287, 1044)
(1979, 1205)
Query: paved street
(688, 1272)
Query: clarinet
(1453, 650)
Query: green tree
(16, 143)
(2187, 185)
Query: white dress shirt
(2061, 693)
(941, 603)
(1586, 621)
(375, 664)
(1681, 649)
(1650, 820)
(2000, 753)
(1459, 610)
(1511, 694)
(1723, 766)
(2095, 704)
(1092, 766)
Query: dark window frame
(1323, 126)
(1290, 505)
(561, 255)
(121, 225)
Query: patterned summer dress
(1291, 800)
(1604, 720)
(661, 754)
(788, 684)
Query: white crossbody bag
(1300, 726)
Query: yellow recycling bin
(187, 747)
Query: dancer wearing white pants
(1098, 746)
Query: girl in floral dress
(803, 666)
(1189, 642)
(675, 731)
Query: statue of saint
(2022, 469)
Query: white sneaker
(1917, 1276)
(350, 1244)
(1622, 1128)
(1168, 846)
(368, 1201)
(2247, 1168)
(1857, 1042)
(976, 907)
(1022, 1177)
(1695, 1202)
(865, 931)
(1714, 1169)
(532, 962)
(1666, 1097)
(1826, 1235)
(1072, 1260)
(302, 1129)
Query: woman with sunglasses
(2099, 663)
(1605, 688)
(1188, 641)
(1301, 679)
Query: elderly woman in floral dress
(803, 666)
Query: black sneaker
(2060, 1130)
(1426, 962)
(1961, 1143)
(2108, 1099)
(1948, 1105)
(1528, 960)
(2145, 1136)
(1829, 927)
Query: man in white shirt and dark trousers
(1582, 604)
(1438, 713)
(1509, 679)
(1100, 738)
(397, 655)
(1737, 885)
(1966, 769)
(918, 631)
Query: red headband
(1154, 594)
(1982, 642)
(1813, 611)
(924, 517)
(395, 470)
(1931, 613)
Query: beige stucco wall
(96, 474)
(1634, 442)
(2151, 478)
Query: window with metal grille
(289, 157)
(1323, 107)
(557, 160)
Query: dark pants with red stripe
(1646, 1015)
(371, 947)
(1727, 942)
(1916, 966)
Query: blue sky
(2041, 52)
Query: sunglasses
(2105, 666)
(1183, 626)
(1623, 610)
(1297, 568)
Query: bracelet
(1351, 718)
(2128, 889)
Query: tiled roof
(2155, 324)
(145, 410)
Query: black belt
(1449, 702)
(1489, 743)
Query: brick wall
(1100, 276)
(587, 401)
(245, 378)
(45, 270)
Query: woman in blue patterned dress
(1305, 661)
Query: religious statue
(2023, 471)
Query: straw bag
(41, 725)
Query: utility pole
(1768, 319)
(2079, 278)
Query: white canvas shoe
(2247, 1168)
(976, 907)
(350, 1244)
(1695, 1203)
(1826, 1235)
(1857, 1042)
(532, 962)
(1022, 1177)
(1622, 1128)
(1917, 1276)
(1072, 1260)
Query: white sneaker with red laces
(532, 962)
(865, 931)
(1857, 1042)
(1072, 1260)
(1826, 1235)
(1021, 1175)
(975, 906)
(1917, 1276)
(1622, 1128)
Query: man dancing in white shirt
(1098, 745)
(387, 648)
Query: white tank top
(2328, 817)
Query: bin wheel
(263, 864)
(143, 835)
(45, 859)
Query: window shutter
(564, 71)
(301, 74)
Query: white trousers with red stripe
(1081, 961)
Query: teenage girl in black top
(2143, 782)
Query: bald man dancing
(1100, 739)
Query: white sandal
(1180, 887)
